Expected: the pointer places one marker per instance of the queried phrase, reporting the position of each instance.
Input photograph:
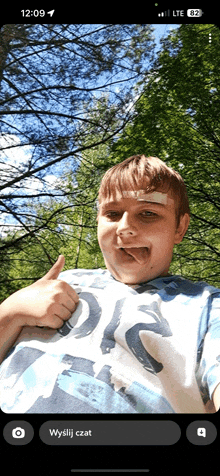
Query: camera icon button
(18, 432)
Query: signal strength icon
(164, 14)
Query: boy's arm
(216, 397)
(9, 332)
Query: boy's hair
(145, 173)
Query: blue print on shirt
(133, 340)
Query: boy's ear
(182, 228)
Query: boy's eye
(144, 214)
(147, 213)
(112, 214)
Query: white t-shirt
(149, 348)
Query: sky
(22, 154)
(162, 30)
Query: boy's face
(146, 232)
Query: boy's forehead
(152, 197)
(142, 196)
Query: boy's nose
(125, 226)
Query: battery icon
(194, 12)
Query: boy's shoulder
(180, 285)
(184, 284)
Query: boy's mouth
(139, 254)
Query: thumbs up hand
(56, 269)
(46, 303)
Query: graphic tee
(146, 348)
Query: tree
(70, 230)
(64, 89)
(177, 119)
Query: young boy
(130, 339)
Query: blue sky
(20, 154)
(162, 30)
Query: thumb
(54, 272)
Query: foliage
(177, 120)
(90, 125)
(64, 89)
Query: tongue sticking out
(139, 254)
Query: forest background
(77, 99)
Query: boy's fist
(47, 303)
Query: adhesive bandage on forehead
(152, 197)
(143, 196)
